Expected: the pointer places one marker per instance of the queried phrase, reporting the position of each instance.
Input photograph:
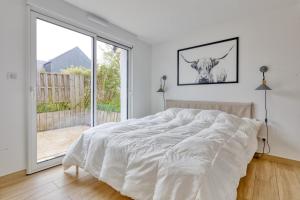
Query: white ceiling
(156, 21)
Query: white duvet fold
(176, 154)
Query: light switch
(4, 149)
(11, 75)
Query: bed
(192, 150)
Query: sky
(53, 40)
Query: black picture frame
(193, 63)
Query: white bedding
(176, 154)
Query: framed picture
(212, 63)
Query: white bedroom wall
(272, 40)
(12, 98)
(13, 59)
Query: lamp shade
(263, 87)
(160, 90)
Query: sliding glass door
(77, 80)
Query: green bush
(108, 107)
(52, 107)
(77, 71)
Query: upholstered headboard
(235, 108)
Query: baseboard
(278, 159)
(12, 175)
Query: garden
(64, 99)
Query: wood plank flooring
(265, 180)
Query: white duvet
(176, 154)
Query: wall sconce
(264, 87)
(162, 88)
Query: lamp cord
(267, 127)
(164, 99)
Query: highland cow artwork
(212, 63)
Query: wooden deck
(265, 180)
(55, 142)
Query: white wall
(12, 98)
(13, 59)
(271, 40)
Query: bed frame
(235, 108)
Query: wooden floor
(265, 180)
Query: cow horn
(226, 53)
(186, 59)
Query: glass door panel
(63, 87)
(111, 81)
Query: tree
(108, 79)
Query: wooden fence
(67, 118)
(59, 88)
